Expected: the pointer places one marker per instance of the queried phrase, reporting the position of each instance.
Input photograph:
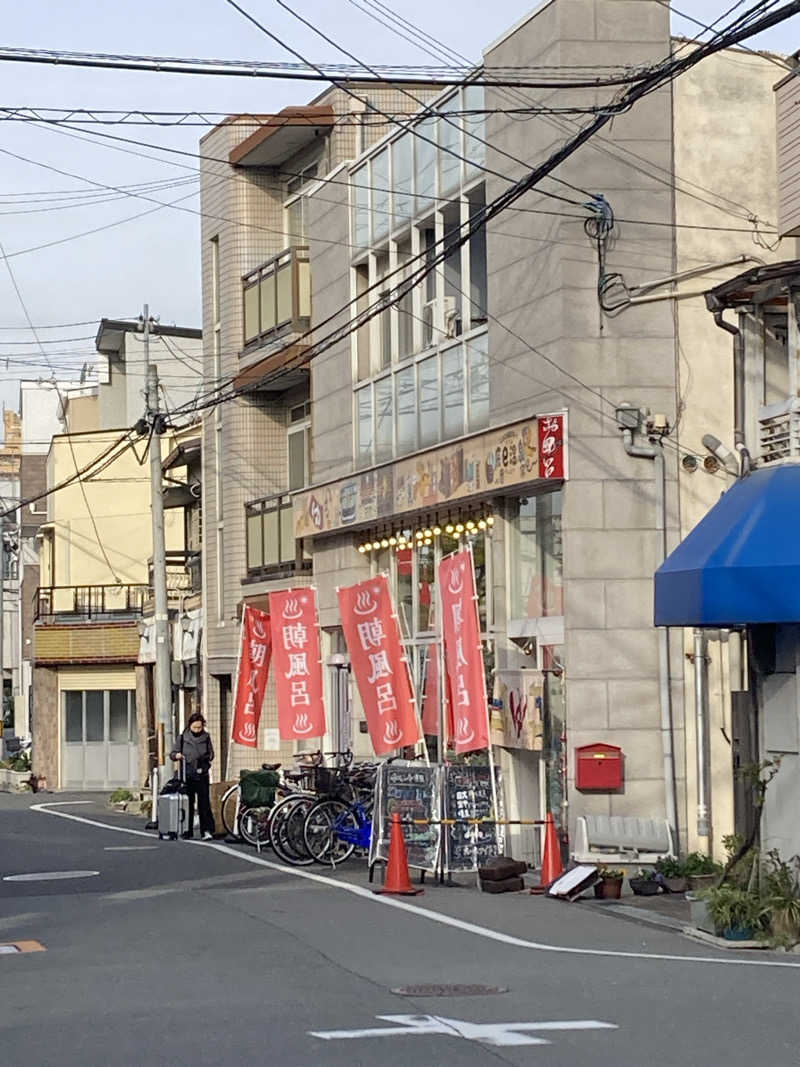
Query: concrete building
(432, 415)
(92, 718)
(40, 409)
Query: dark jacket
(197, 750)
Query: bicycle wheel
(320, 831)
(254, 826)
(228, 810)
(286, 830)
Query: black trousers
(198, 787)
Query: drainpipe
(701, 727)
(655, 451)
(738, 376)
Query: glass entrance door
(100, 741)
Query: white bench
(622, 839)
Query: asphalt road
(177, 953)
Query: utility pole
(163, 680)
(2, 628)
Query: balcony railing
(88, 603)
(780, 431)
(277, 297)
(184, 573)
(272, 549)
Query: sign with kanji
(462, 651)
(379, 664)
(254, 656)
(551, 446)
(298, 667)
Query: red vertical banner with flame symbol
(298, 666)
(254, 656)
(463, 653)
(379, 664)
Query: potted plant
(782, 899)
(645, 883)
(701, 870)
(671, 876)
(610, 885)
(738, 914)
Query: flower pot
(608, 888)
(644, 887)
(738, 933)
(702, 881)
(676, 885)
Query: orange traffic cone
(552, 866)
(397, 880)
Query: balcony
(88, 603)
(277, 299)
(272, 549)
(184, 574)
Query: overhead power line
(556, 79)
(667, 72)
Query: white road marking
(89, 822)
(498, 1034)
(8, 950)
(436, 916)
(130, 848)
(50, 876)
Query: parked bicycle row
(319, 811)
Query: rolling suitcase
(173, 812)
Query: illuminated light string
(425, 535)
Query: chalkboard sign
(467, 793)
(411, 789)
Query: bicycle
(334, 827)
(250, 822)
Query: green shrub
(733, 908)
(700, 863)
(121, 796)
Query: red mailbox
(598, 766)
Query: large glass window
(384, 422)
(271, 545)
(429, 429)
(537, 557)
(361, 207)
(402, 179)
(98, 716)
(405, 383)
(380, 195)
(425, 152)
(474, 130)
(453, 391)
(478, 362)
(450, 149)
(364, 413)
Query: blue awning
(741, 564)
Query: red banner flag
(379, 664)
(254, 656)
(462, 651)
(298, 668)
(551, 446)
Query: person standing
(194, 748)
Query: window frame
(300, 562)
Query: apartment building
(256, 452)
(9, 557)
(92, 717)
(498, 403)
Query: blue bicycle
(334, 829)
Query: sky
(156, 259)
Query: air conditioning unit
(450, 317)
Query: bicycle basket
(258, 788)
(329, 781)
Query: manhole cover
(448, 990)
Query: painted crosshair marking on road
(499, 1034)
